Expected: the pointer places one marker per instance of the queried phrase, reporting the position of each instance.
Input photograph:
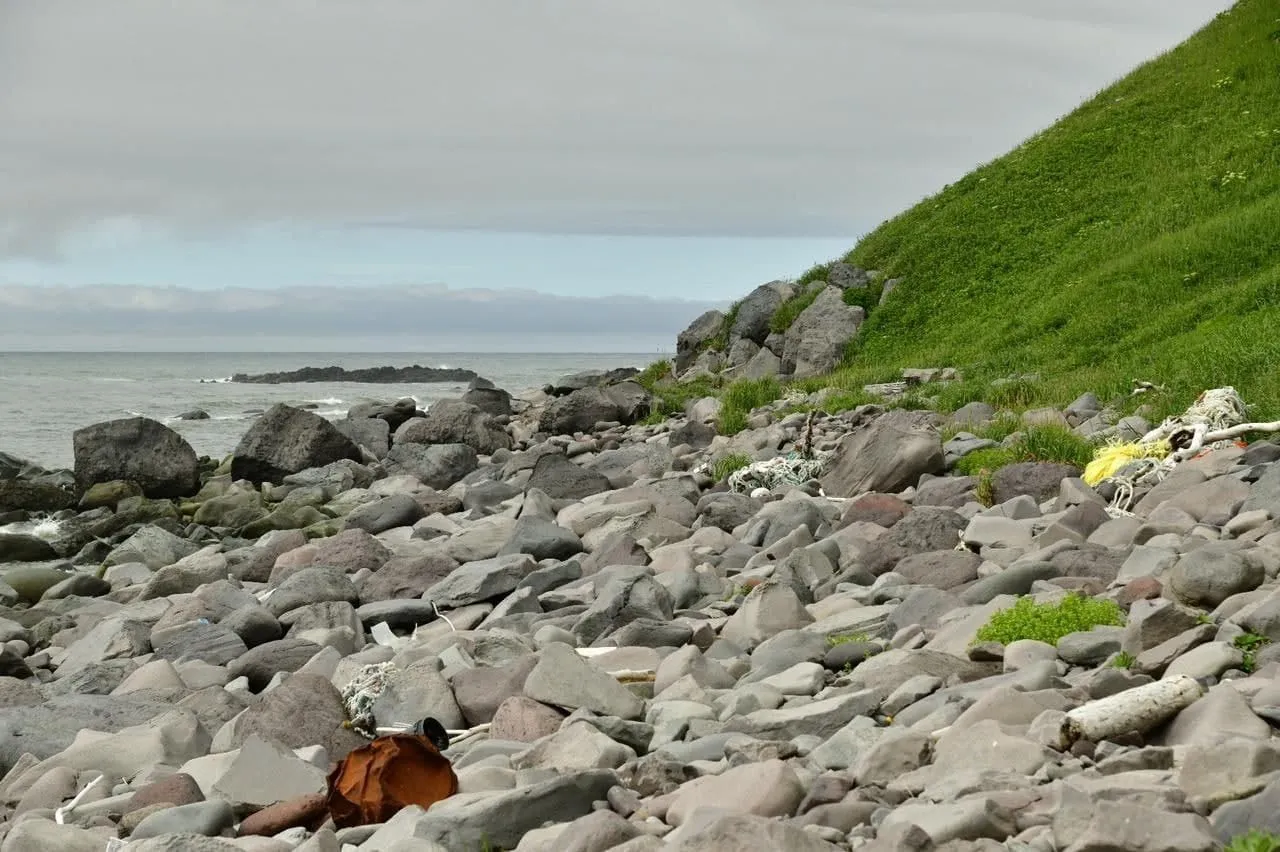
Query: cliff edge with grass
(1135, 240)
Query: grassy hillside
(1137, 238)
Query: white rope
(1212, 422)
(360, 694)
(773, 472)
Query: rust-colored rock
(177, 789)
(308, 812)
(882, 509)
(1143, 588)
(523, 720)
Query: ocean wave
(113, 379)
(330, 412)
(134, 413)
(329, 400)
(46, 528)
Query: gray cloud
(301, 318)
(744, 117)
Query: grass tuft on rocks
(1049, 622)
(723, 467)
(786, 313)
(741, 397)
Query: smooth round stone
(206, 818)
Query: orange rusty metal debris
(392, 772)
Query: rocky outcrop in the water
(368, 375)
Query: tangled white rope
(769, 474)
(359, 696)
(1213, 421)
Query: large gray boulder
(435, 465)
(754, 313)
(579, 411)
(890, 454)
(816, 342)
(692, 340)
(451, 421)
(287, 440)
(140, 450)
(562, 479)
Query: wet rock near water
(631, 655)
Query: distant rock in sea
(369, 375)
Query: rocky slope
(663, 663)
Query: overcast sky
(682, 151)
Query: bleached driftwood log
(1136, 710)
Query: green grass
(1254, 840)
(786, 313)
(844, 638)
(1137, 238)
(722, 467)
(741, 397)
(1049, 622)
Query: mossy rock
(285, 518)
(109, 494)
(32, 581)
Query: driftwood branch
(1136, 710)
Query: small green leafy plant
(1123, 660)
(1049, 622)
(1254, 840)
(1249, 643)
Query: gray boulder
(286, 440)
(494, 401)
(139, 450)
(435, 465)
(889, 455)
(561, 479)
(816, 342)
(692, 340)
(451, 421)
(753, 314)
(1210, 574)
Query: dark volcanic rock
(288, 440)
(34, 496)
(581, 410)
(369, 375)
(140, 450)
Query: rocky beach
(633, 644)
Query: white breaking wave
(329, 400)
(46, 528)
(330, 412)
